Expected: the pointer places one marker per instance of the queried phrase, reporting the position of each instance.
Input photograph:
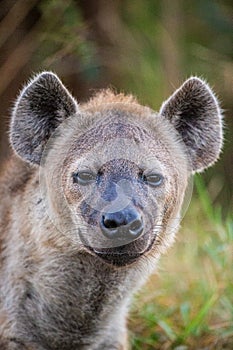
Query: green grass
(188, 303)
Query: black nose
(126, 223)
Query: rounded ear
(194, 112)
(41, 106)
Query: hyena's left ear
(42, 105)
(194, 112)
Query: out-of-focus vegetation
(144, 47)
(188, 304)
(147, 48)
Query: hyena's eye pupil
(84, 178)
(153, 179)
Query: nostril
(109, 227)
(135, 225)
(136, 228)
(110, 224)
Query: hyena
(90, 198)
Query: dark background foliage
(144, 47)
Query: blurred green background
(147, 48)
(144, 47)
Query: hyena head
(114, 173)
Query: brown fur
(59, 290)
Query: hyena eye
(84, 178)
(153, 179)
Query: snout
(124, 224)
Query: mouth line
(117, 258)
(108, 251)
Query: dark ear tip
(199, 87)
(43, 79)
(46, 75)
(196, 82)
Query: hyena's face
(115, 172)
(121, 184)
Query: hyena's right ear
(42, 105)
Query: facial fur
(92, 197)
(130, 151)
